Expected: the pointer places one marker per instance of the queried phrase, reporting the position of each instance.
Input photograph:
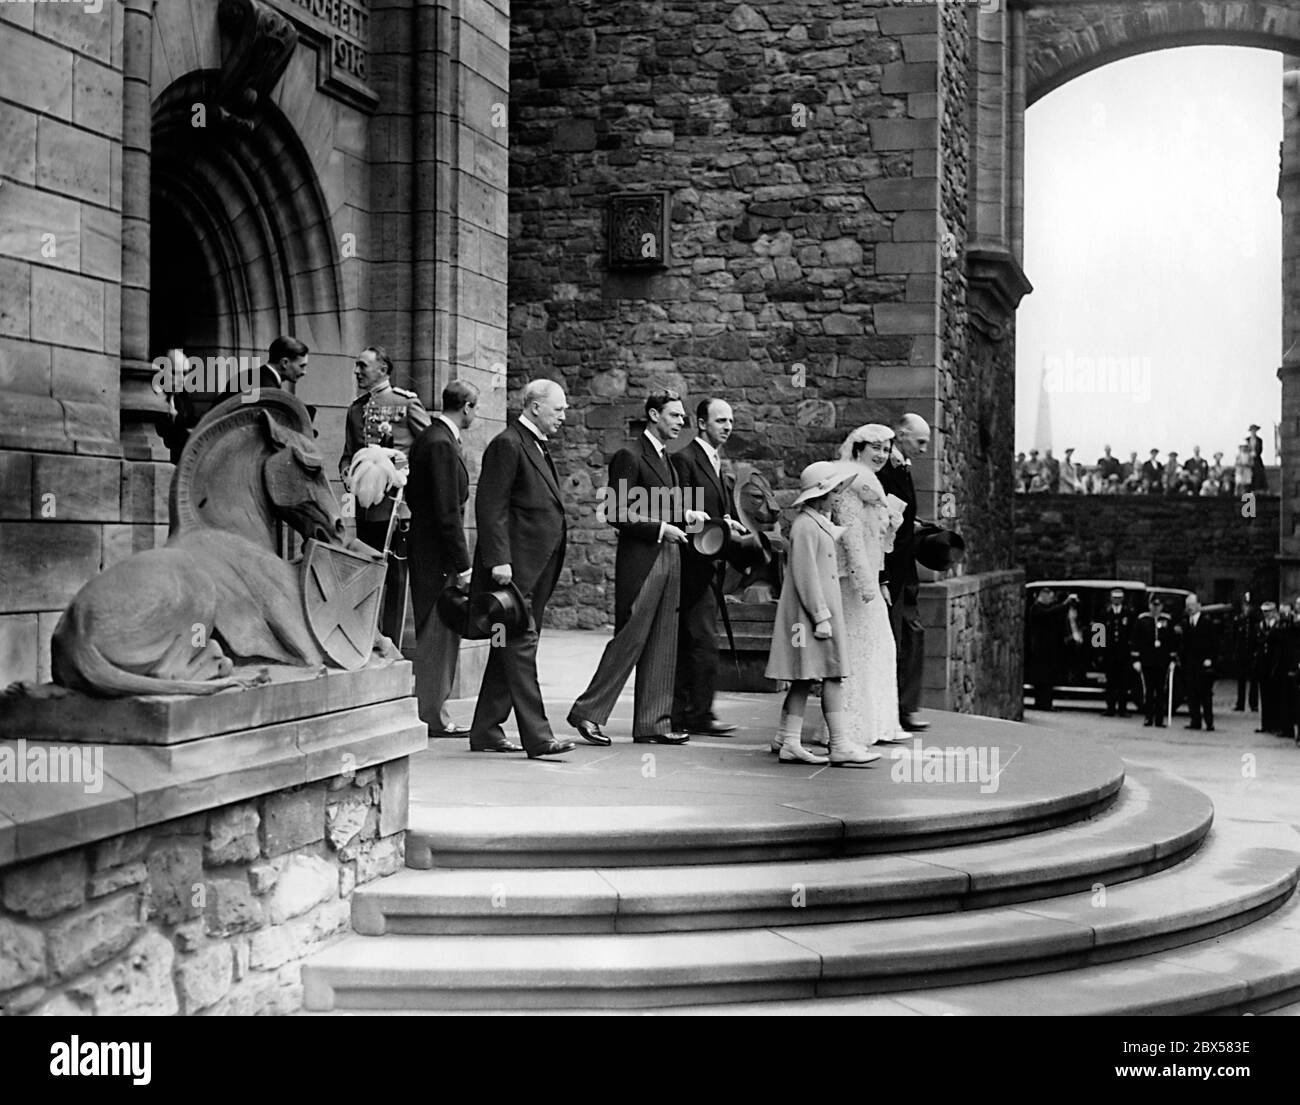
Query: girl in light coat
(808, 635)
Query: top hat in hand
(938, 549)
(502, 606)
(712, 539)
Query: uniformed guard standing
(1271, 668)
(1154, 644)
(392, 417)
(1117, 623)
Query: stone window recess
(638, 230)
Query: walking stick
(387, 554)
(1169, 712)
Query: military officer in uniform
(1117, 623)
(392, 417)
(1154, 645)
(1272, 663)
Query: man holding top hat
(699, 473)
(645, 502)
(520, 551)
(436, 491)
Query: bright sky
(1153, 241)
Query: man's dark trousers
(1200, 697)
(697, 647)
(909, 640)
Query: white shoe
(796, 753)
(862, 759)
(897, 738)
(775, 745)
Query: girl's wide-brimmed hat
(821, 478)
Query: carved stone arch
(250, 198)
(1065, 39)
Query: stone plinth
(974, 644)
(193, 876)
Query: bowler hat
(712, 538)
(504, 606)
(938, 549)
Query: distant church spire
(1043, 428)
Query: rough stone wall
(801, 276)
(977, 391)
(211, 913)
(974, 663)
(1190, 542)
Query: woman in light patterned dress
(870, 521)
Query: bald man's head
(912, 436)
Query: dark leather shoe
(551, 748)
(913, 723)
(710, 729)
(1209, 728)
(1191, 726)
(495, 746)
(1148, 721)
(662, 738)
(589, 731)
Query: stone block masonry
(797, 143)
(206, 914)
(1211, 545)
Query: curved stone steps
(1155, 822)
(1242, 872)
(821, 813)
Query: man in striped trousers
(645, 503)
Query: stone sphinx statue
(176, 619)
(758, 560)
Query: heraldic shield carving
(341, 591)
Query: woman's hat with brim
(821, 478)
(503, 606)
(938, 549)
(712, 538)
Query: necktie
(549, 462)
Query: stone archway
(258, 231)
(1066, 38)
(1037, 46)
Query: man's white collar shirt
(455, 429)
(532, 428)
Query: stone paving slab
(733, 792)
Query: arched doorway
(241, 245)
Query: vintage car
(1081, 676)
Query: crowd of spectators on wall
(1050, 475)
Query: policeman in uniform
(1271, 665)
(1245, 630)
(1117, 623)
(1154, 645)
(392, 417)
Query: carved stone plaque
(638, 230)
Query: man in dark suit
(436, 491)
(704, 486)
(1154, 645)
(1117, 623)
(1198, 652)
(1245, 629)
(521, 532)
(1153, 474)
(911, 439)
(644, 502)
